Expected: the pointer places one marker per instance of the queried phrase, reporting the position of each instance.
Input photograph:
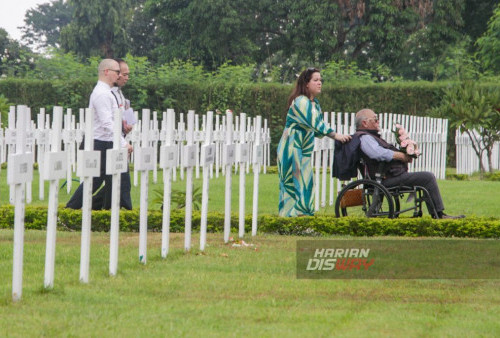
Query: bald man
(104, 104)
(375, 149)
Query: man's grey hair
(361, 116)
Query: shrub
(68, 219)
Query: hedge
(68, 219)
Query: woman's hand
(342, 138)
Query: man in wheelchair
(375, 150)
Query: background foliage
(387, 39)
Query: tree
(476, 16)
(141, 32)
(372, 33)
(476, 111)
(15, 60)
(43, 24)
(210, 32)
(489, 44)
(98, 28)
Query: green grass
(478, 198)
(228, 291)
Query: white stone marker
(227, 161)
(168, 162)
(181, 137)
(188, 162)
(116, 164)
(145, 162)
(207, 159)
(136, 139)
(19, 172)
(155, 136)
(66, 135)
(198, 138)
(89, 166)
(54, 169)
(42, 142)
(265, 148)
(10, 140)
(242, 159)
(219, 141)
(258, 159)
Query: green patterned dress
(304, 121)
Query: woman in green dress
(304, 121)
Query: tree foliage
(475, 111)
(43, 24)
(376, 32)
(98, 28)
(15, 60)
(489, 43)
(383, 39)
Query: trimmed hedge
(68, 219)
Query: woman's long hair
(301, 85)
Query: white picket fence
(429, 133)
(467, 161)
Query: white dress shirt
(104, 104)
(124, 104)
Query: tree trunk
(489, 155)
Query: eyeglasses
(114, 70)
(374, 119)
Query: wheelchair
(368, 197)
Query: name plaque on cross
(145, 158)
(54, 166)
(242, 152)
(19, 168)
(88, 163)
(207, 154)
(116, 161)
(258, 154)
(229, 154)
(42, 137)
(30, 138)
(10, 136)
(189, 156)
(199, 136)
(168, 156)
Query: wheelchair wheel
(364, 198)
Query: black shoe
(445, 216)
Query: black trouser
(421, 178)
(125, 199)
(76, 200)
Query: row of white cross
(429, 133)
(467, 161)
(55, 166)
(38, 142)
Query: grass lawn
(234, 291)
(229, 291)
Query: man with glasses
(374, 149)
(104, 104)
(128, 122)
